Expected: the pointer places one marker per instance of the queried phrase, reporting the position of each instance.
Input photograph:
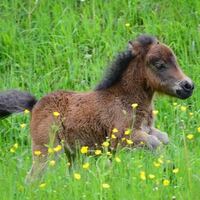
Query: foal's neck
(132, 87)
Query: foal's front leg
(162, 136)
(142, 138)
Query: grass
(51, 45)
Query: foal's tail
(14, 101)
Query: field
(47, 45)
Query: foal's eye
(160, 66)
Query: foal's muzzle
(185, 90)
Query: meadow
(48, 45)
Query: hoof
(153, 142)
(29, 179)
(163, 137)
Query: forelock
(146, 40)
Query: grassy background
(47, 45)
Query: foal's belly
(83, 130)
(80, 137)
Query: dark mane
(115, 71)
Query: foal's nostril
(187, 86)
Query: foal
(88, 118)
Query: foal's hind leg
(39, 163)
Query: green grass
(51, 45)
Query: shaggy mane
(115, 71)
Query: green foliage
(47, 45)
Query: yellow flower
(117, 159)
(129, 141)
(115, 130)
(123, 139)
(134, 105)
(166, 182)
(105, 186)
(77, 176)
(52, 163)
(37, 152)
(12, 150)
(155, 112)
(16, 145)
(127, 132)
(22, 125)
(109, 153)
(58, 148)
(56, 114)
(190, 136)
(127, 25)
(86, 165)
(151, 176)
(160, 160)
(191, 114)
(143, 175)
(141, 143)
(175, 104)
(113, 136)
(50, 150)
(97, 152)
(175, 171)
(156, 164)
(183, 108)
(26, 111)
(42, 185)
(105, 144)
(198, 129)
(84, 149)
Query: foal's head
(161, 70)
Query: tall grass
(47, 45)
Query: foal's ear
(130, 45)
(134, 47)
